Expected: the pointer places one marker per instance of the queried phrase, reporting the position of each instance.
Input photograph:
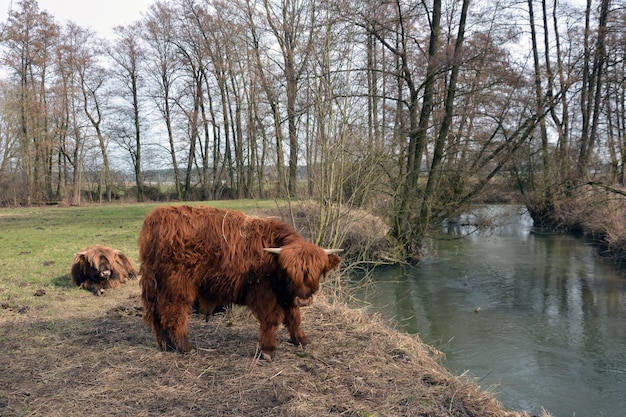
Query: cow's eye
(289, 284)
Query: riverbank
(77, 353)
(596, 212)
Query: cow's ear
(80, 258)
(333, 261)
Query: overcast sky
(99, 15)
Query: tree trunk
(592, 87)
(430, 192)
(406, 230)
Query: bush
(13, 191)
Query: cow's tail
(147, 271)
(149, 297)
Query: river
(539, 319)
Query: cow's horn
(273, 250)
(331, 251)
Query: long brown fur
(217, 257)
(98, 267)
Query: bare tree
(293, 25)
(68, 125)
(92, 77)
(160, 32)
(30, 36)
(263, 75)
(405, 229)
(197, 102)
(434, 176)
(592, 80)
(127, 54)
(616, 95)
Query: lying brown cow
(99, 267)
(219, 257)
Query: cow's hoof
(266, 356)
(167, 347)
(184, 347)
(300, 341)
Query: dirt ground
(74, 354)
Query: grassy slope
(65, 352)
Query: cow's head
(304, 266)
(95, 265)
(104, 267)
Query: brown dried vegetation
(597, 212)
(83, 355)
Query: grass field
(37, 245)
(65, 352)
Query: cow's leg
(161, 335)
(94, 287)
(293, 319)
(205, 306)
(270, 315)
(267, 338)
(172, 329)
(270, 319)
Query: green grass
(37, 245)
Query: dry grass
(83, 355)
(598, 213)
(362, 235)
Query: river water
(538, 319)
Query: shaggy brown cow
(219, 257)
(99, 267)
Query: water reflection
(550, 331)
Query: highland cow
(220, 257)
(98, 267)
